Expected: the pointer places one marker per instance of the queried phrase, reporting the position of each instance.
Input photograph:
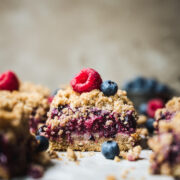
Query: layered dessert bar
(19, 150)
(171, 108)
(166, 146)
(35, 97)
(87, 113)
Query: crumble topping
(31, 97)
(30, 87)
(95, 98)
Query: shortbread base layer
(124, 141)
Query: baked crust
(124, 141)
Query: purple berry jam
(92, 121)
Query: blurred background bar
(48, 41)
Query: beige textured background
(47, 41)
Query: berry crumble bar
(90, 112)
(35, 97)
(166, 146)
(18, 148)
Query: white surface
(96, 167)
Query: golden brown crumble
(95, 98)
(172, 105)
(12, 102)
(30, 87)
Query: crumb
(71, 155)
(110, 177)
(80, 155)
(62, 154)
(124, 174)
(117, 159)
(91, 153)
(60, 159)
(132, 154)
(77, 162)
(53, 154)
(141, 120)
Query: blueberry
(161, 88)
(110, 149)
(139, 82)
(143, 108)
(43, 143)
(55, 92)
(150, 85)
(149, 125)
(109, 88)
(128, 86)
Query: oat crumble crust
(95, 98)
(169, 133)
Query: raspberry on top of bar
(172, 107)
(165, 158)
(89, 112)
(35, 97)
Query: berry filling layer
(89, 122)
(35, 120)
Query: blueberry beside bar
(35, 97)
(19, 154)
(166, 148)
(89, 112)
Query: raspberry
(50, 99)
(87, 80)
(9, 81)
(153, 105)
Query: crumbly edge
(124, 141)
(172, 105)
(164, 138)
(95, 98)
(158, 165)
(11, 103)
